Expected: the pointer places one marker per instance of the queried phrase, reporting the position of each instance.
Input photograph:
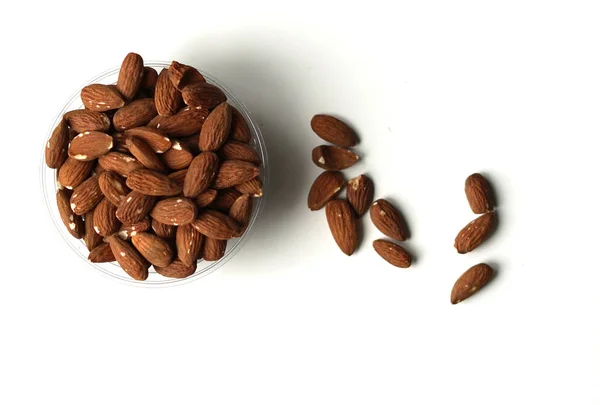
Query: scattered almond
(470, 282)
(333, 157)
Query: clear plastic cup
(113, 270)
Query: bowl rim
(259, 203)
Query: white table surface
(436, 91)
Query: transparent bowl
(50, 187)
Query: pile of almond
(155, 170)
(342, 214)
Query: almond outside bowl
(50, 187)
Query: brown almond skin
(342, 224)
(176, 269)
(101, 254)
(241, 210)
(130, 260)
(214, 249)
(234, 150)
(166, 96)
(205, 198)
(178, 157)
(130, 75)
(475, 233)
(90, 145)
(73, 172)
(152, 183)
(154, 249)
(101, 97)
(105, 219)
(86, 196)
(149, 79)
(200, 174)
(135, 114)
(163, 230)
(128, 230)
(253, 187)
(183, 75)
(135, 207)
(479, 194)
(203, 95)
(113, 187)
(120, 163)
(119, 140)
(189, 244)
(234, 172)
(86, 120)
(388, 220)
(152, 136)
(325, 187)
(240, 131)
(185, 122)
(56, 147)
(470, 282)
(216, 128)
(174, 211)
(145, 154)
(91, 238)
(394, 254)
(333, 157)
(216, 225)
(178, 177)
(360, 193)
(225, 199)
(333, 130)
(72, 222)
(191, 142)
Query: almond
(135, 114)
(56, 147)
(479, 194)
(152, 183)
(191, 142)
(225, 199)
(90, 145)
(325, 187)
(183, 75)
(72, 222)
(394, 254)
(135, 207)
(360, 194)
(144, 154)
(342, 224)
(203, 95)
(128, 230)
(163, 230)
(178, 157)
(213, 249)
(174, 211)
(130, 75)
(101, 254)
(200, 174)
(105, 219)
(176, 270)
(241, 210)
(73, 172)
(333, 130)
(470, 282)
(119, 142)
(91, 238)
(234, 172)
(253, 187)
(101, 97)
(216, 128)
(113, 187)
(154, 249)
(333, 157)
(86, 196)
(189, 244)
(234, 150)
(149, 79)
(178, 177)
(152, 136)
(120, 163)
(206, 197)
(239, 127)
(475, 233)
(185, 123)
(87, 120)
(166, 96)
(216, 225)
(128, 258)
(388, 220)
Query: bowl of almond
(154, 173)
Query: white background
(436, 91)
